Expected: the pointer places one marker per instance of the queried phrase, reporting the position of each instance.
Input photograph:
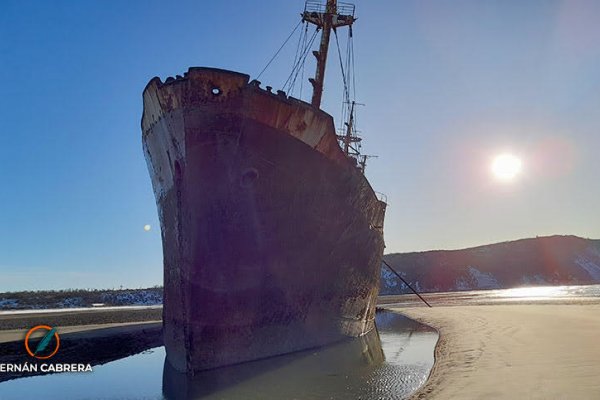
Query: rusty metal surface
(272, 238)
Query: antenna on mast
(325, 17)
(349, 137)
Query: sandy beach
(520, 351)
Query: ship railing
(381, 197)
(318, 7)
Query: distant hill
(553, 260)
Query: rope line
(300, 68)
(302, 58)
(278, 51)
(406, 283)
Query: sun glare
(536, 291)
(506, 167)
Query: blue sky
(447, 86)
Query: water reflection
(391, 365)
(535, 294)
(330, 369)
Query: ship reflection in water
(389, 364)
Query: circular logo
(46, 347)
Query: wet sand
(520, 351)
(85, 331)
(79, 317)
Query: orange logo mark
(43, 343)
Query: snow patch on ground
(71, 302)
(418, 287)
(592, 268)
(8, 304)
(474, 279)
(389, 278)
(483, 280)
(391, 283)
(143, 298)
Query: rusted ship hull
(272, 238)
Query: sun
(506, 167)
(147, 227)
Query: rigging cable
(303, 63)
(406, 283)
(296, 68)
(300, 68)
(351, 41)
(301, 60)
(276, 53)
(298, 46)
(346, 73)
(346, 93)
(351, 76)
(299, 52)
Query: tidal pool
(388, 364)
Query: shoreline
(534, 351)
(24, 320)
(520, 350)
(84, 332)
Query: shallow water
(389, 364)
(537, 294)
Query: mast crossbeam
(326, 17)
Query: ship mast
(328, 17)
(348, 138)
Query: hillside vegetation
(553, 260)
(71, 298)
